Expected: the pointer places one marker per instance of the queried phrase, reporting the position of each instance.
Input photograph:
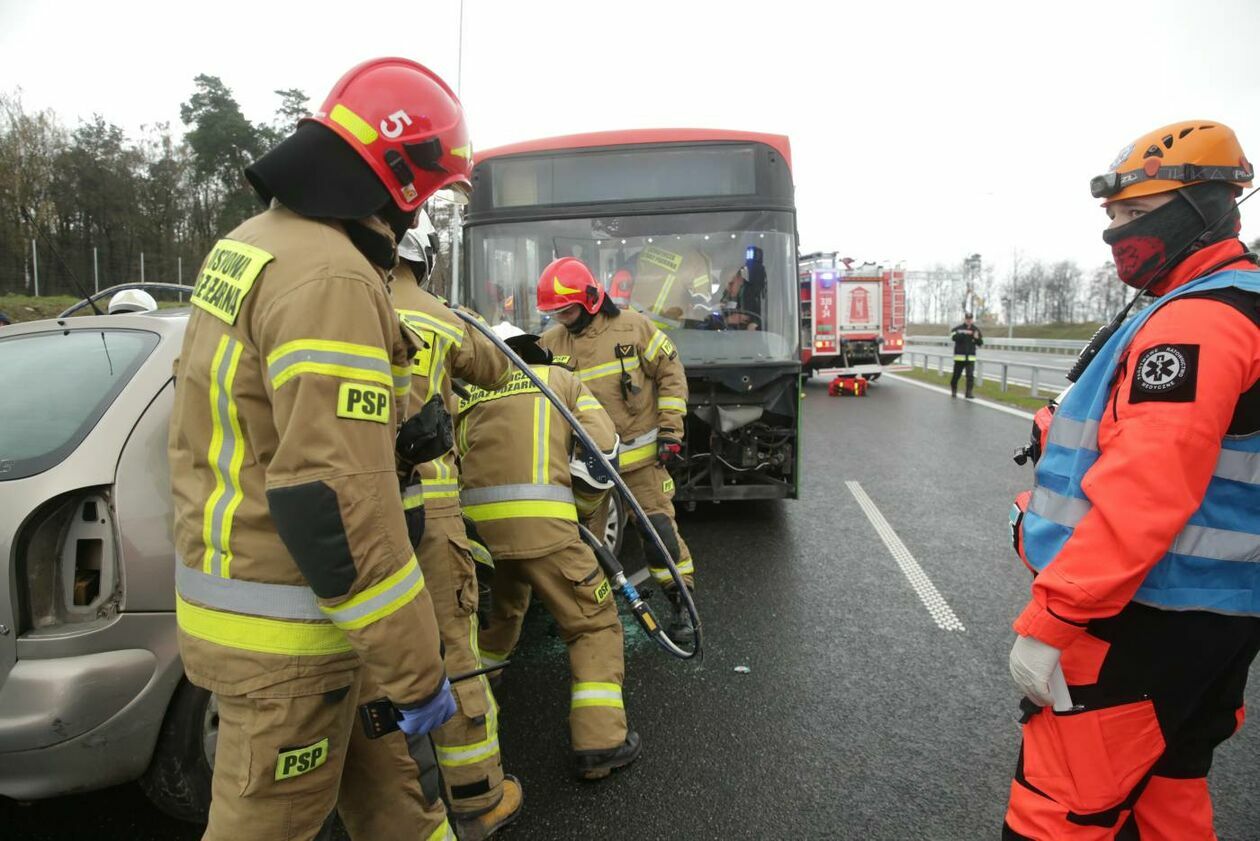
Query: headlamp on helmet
(1173, 157)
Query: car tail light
(67, 561)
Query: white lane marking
(988, 404)
(923, 586)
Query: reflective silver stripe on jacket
(332, 357)
(1238, 466)
(1057, 508)
(254, 598)
(1071, 434)
(513, 493)
(643, 440)
(349, 615)
(1218, 544)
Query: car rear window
(55, 386)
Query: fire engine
(853, 317)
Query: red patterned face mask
(1140, 247)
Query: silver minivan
(92, 692)
(91, 688)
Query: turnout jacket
(448, 350)
(293, 554)
(634, 371)
(965, 343)
(1148, 487)
(515, 448)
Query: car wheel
(178, 777)
(615, 526)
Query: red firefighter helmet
(568, 281)
(406, 123)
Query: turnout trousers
(288, 756)
(653, 487)
(1155, 692)
(467, 746)
(578, 596)
(960, 366)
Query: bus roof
(628, 137)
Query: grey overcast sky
(921, 131)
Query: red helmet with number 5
(406, 123)
(568, 281)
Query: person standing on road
(482, 798)
(518, 490)
(967, 337)
(633, 369)
(298, 594)
(1141, 527)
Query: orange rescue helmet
(1173, 157)
(568, 281)
(406, 123)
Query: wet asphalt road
(860, 717)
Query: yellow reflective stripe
(637, 455)
(542, 440)
(596, 695)
(225, 456)
(608, 369)
(671, 404)
(337, 359)
(687, 567)
(353, 123)
(588, 404)
(521, 508)
(443, 490)
(442, 833)
(492, 658)
(380, 600)
(402, 380)
(453, 333)
(654, 346)
(663, 295)
(413, 497)
(255, 633)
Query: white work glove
(1033, 663)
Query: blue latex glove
(429, 716)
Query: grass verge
(1015, 395)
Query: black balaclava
(1141, 246)
(315, 173)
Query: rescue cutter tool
(649, 530)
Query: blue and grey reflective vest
(1214, 562)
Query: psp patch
(1168, 373)
(363, 402)
(294, 762)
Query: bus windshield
(721, 284)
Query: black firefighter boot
(953, 388)
(969, 395)
(596, 765)
(680, 629)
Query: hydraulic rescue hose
(642, 612)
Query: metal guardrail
(1068, 346)
(1034, 382)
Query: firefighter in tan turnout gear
(633, 369)
(299, 595)
(467, 747)
(518, 490)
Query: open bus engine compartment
(741, 431)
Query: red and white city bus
(696, 228)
